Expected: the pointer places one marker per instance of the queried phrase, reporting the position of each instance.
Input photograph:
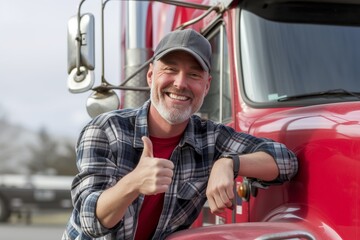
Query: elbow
(89, 223)
(287, 167)
(92, 227)
(290, 168)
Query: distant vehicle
(26, 193)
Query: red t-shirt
(152, 206)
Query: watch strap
(236, 162)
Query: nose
(180, 81)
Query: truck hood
(331, 121)
(244, 231)
(326, 140)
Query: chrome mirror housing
(81, 53)
(102, 101)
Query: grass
(41, 218)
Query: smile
(177, 97)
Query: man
(146, 173)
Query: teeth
(178, 97)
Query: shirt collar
(141, 126)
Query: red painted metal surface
(244, 231)
(324, 197)
(326, 139)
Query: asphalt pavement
(30, 232)
(43, 226)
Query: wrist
(235, 161)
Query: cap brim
(194, 54)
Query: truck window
(217, 104)
(283, 59)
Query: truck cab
(285, 70)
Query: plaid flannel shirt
(110, 146)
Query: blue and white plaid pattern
(110, 146)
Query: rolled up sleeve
(285, 159)
(97, 172)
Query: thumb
(148, 147)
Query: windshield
(288, 59)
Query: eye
(170, 69)
(195, 75)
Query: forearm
(113, 202)
(258, 165)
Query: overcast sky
(33, 66)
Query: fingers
(220, 198)
(159, 178)
(162, 183)
(220, 192)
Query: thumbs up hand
(154, 174)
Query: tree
(52, 155)
(7, 148)
(66, 164)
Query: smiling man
(146, 173)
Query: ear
(207, 86)
(149, 74)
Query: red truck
(288, 70)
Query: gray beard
(173, 116)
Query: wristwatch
(236, 161)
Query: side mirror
(81, 53)
(102, 101)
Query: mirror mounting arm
(78, 40)
(105, 85)
(103, 80)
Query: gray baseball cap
(187, 40)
